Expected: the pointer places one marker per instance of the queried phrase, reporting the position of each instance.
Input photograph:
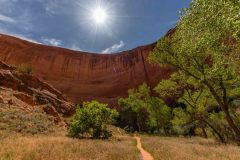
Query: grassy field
(32, 135)
(189, 149)
(64, 148)
(60, 147)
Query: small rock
(50, 110)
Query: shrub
(92, 120)
(25, 68)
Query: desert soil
(144, 154)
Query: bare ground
(144, 154)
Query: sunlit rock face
(85, 76)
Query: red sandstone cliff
(84, 76)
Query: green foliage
(204, 48)
(200, 45)
(135, 103)
(180, 117)
(196, 99)
(151, 113)
(25, 68)
(92, 119)
(168, 88)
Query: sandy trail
(145, 154)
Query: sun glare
(99, 16)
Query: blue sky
(69, 23)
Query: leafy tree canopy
(205, 49)
(92, 119)
(151, 112)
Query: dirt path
(145, 154)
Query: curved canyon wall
(84, 76)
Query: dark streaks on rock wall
(85, 76)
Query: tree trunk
(204, 132)
(214, 130)
(227, 114)
(165, 131)
(141, 124)
(224, 108)
(138, 125)
(232, 124)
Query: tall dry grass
(189, 149)
(32, 135)
(64, 148)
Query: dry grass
(189, 149)
(13, 119)
(32, 135)
(64, 148)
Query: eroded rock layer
(84, 76)
(28, 92)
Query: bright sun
(99, 16)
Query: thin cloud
(51, 7)
(7, 19)
(75, 47)
(21, 36)
(52, 41)
(26, 38)
(56, 6)
(114, 48)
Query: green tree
(92, 119)
(199, 103)
(135, 102)
(151, 112)
(160, 116)
(205, 46)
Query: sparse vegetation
(92, 120)
(25, 68)
(13, 119)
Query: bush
(92, 120)
(25, 68)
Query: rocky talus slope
(26, 92)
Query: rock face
(28, 92)
(85, 76)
